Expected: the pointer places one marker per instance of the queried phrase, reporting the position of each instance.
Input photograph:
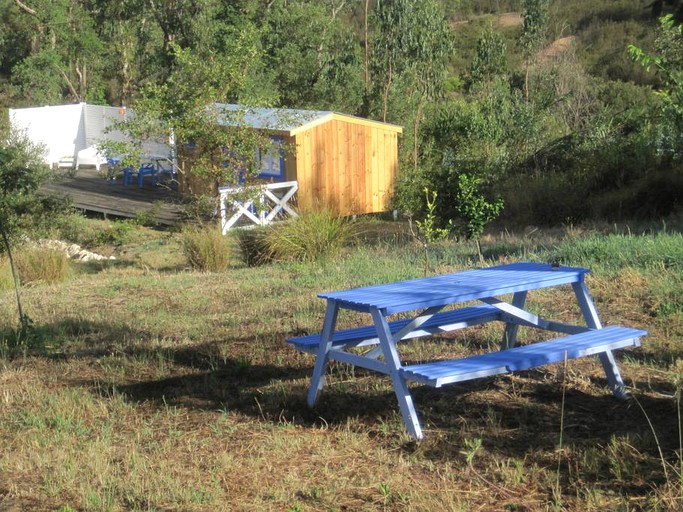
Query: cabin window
(272, 161)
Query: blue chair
(147, 169)
(128, 173)
(144, 170)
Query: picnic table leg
(318, 379)
(405, 400)
(609, 363)
(510, 335)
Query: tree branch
(26, 8)
(70, 85)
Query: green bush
(314, 234)
(206, 248)
(75, 228)
(35, 265)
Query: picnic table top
(457, 287)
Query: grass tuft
(315, 234)
(206, 249)
(253, 246)
(35, 265)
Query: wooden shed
(341, 161)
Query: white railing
(263, 204)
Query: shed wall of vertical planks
(346, 163)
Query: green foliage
(21, 171)
(185, 107)
(116, 233)
(409, 50)
(474, 209)
(490, 59)
(65, 56)
(669, 63)
(315, 234)
(314, 60)
(535, 21)
(427, 227)
(427, 232)
(206, 249)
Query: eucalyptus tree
(490, 59)
(535, 24)
(63, 56)
(411, 47)
(314, 59)
(134, 51)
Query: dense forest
(561, 111)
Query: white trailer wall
(67, 129)
(100, 117)
(59, 128)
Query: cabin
(341, 161)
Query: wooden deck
(89, 191)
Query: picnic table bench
(429, 296)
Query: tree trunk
(366, 60)
(15, 276)
(387, 86)
(416, 130)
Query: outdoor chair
(144, 170)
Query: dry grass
(167, 389)
(206, 249)
(35, 265)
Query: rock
(73, 251)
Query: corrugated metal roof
(287, 120)
(276, 119)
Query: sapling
(427, 231)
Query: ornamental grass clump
(206, 249)
(315, 234)
(253, 246)
(35, 265)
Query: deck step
(440, 322)
(588, 343)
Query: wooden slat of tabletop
(453, 288)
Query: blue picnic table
(430, 300)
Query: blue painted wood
(405, 399)
(525, 357)
(453, 288)
(318, 378)
(470, 316)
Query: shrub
(314, 234)
(35, 265)
(206, 248)
(253, 246)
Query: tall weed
(206, 249)
(36, 265)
